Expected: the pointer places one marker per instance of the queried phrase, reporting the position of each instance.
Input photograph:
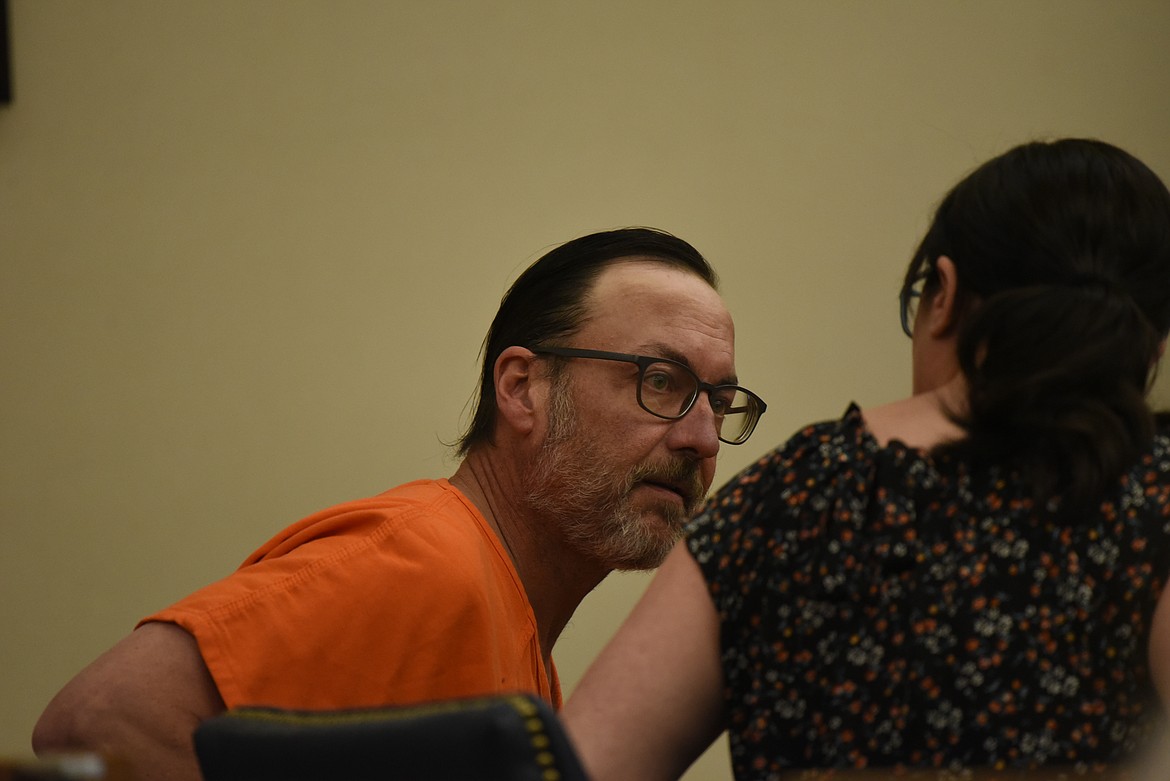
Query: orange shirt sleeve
(404, 597)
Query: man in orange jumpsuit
(608, 383)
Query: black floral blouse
(880, 607)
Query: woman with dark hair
(964, 578)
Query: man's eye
(720, 403)
(658, 381)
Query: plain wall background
(249, 248)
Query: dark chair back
(505, 738)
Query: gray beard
(573, 486)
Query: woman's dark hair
(1062, 252)
(548, 302)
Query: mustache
(681, 474)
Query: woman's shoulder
(845, 433)
(890, 443)
(809, 458)
(918, 422)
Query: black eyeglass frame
(643, 362)
(906, 296)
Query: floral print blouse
(883, 608)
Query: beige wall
(248, 248)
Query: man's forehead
(637, 267)
(649, 282)
(652, 308)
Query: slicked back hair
(548, 302)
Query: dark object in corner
(5, 67)
(505, 738)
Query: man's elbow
(70, 726)
(50, 734)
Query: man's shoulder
(431, 509)
(426, 495)
(401, 519)
(421, 502)
(418, 536)
(430, 520)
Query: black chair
(504, 738)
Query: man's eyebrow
(659, 350)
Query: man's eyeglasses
(668, 389)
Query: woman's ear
(515, 375)
(942, 306)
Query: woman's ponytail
(1057, 377)
(1062, 257)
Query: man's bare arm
(140, 702)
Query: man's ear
(942, 307)
(516, 397)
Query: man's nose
(698, 430)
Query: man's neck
(555, 577)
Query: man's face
(619, 481)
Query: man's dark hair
(547, 302)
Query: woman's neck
(922, 421)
